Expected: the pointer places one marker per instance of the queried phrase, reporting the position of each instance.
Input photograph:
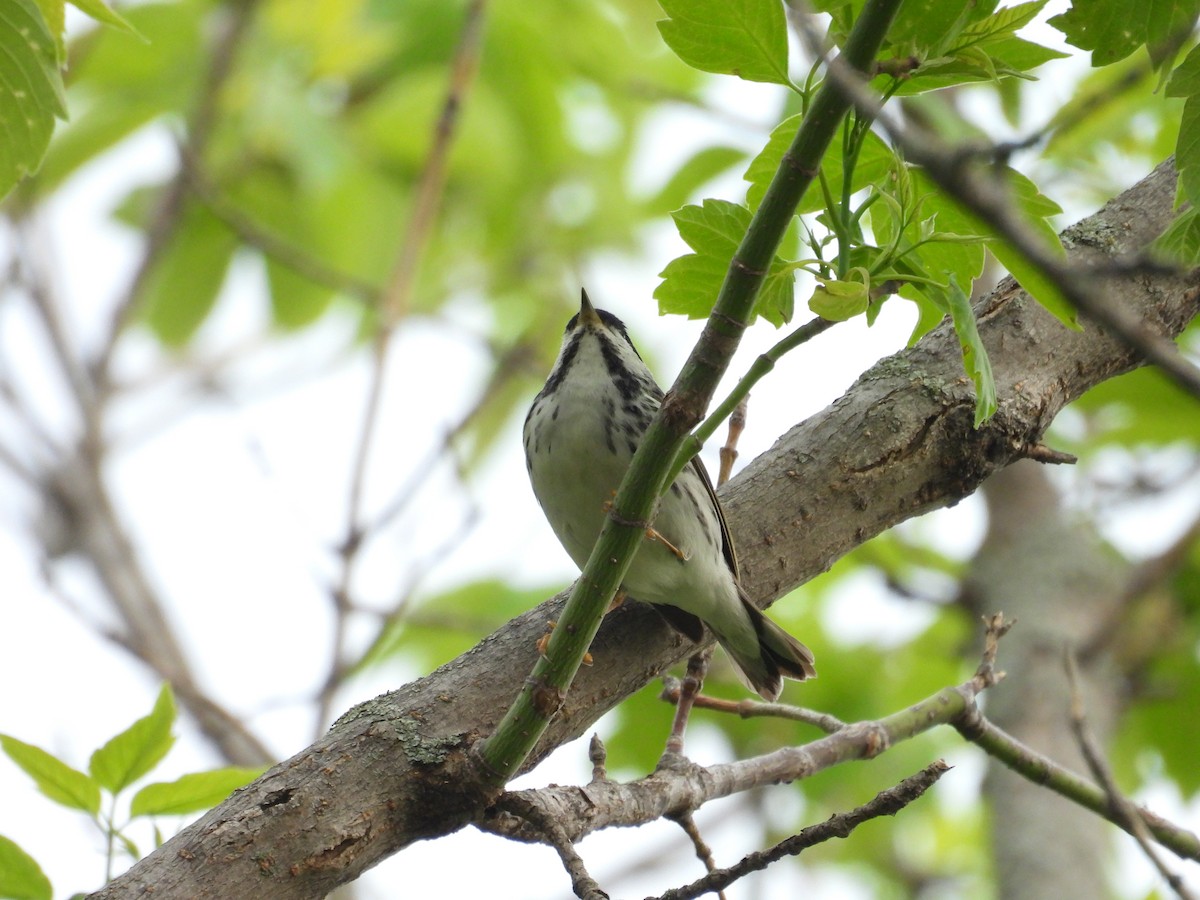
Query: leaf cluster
(872, 226)
(120, 763)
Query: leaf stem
(759, 368)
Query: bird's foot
(543, 643)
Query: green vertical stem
(503, 752)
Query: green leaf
(21, 878)
(714, 228)
(875, 159)
(691, 283)
(296, 301)
(137, 749)
(191, 793)
(183, 287)
(127, 83)
(1187, 149)
(55, 14)
(1113, 29)
(447, 624)
(930, 27)
(31, 90)
(1185, 80)
(1002, 22)
(965, 260)
(840, 300)
(746, 38)
(1180, 243)
(930, 312)
(975, 358)
(1014, 54)
(53, 777)
(102, 12)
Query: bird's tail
(778, 656)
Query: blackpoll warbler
(580, 435)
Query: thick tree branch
(900, 442)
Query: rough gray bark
(900, 442)
(1052, 573)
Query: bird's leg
(653, 535)
(617, 600)
(697, 667)
(543, 643)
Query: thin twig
(1121, 806)
(168, 214)
(271, 244)
(729, 453)
(1042, 770)
(885, 803)
(689, 689)
(1039, 452)
(598, 756)
(749, 709)
(697, 666)
(996, 627)
(582, 883)
(394, 302)
(687, 822)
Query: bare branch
(87, 521)
(750, 708)
(394, 304)
(1041, 770)
(169, 212)
(678, 786)
(582, 883)
(840, 825)
(1121, 806)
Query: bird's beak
(587, 312)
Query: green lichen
(421, 749)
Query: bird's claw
(543, 643)
(653, 535)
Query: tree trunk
(1050, 571)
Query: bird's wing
(726, 538)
